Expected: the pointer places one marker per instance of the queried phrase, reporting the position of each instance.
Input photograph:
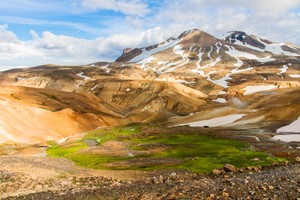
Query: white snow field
(218, 121)
(288, 138)
(81, 75)
(259, 88)
(220, 100)
(294, 127)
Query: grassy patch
(65, 151)
(115, 133)
(93, 161)
(196, 152)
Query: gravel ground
(274, 182)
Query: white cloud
(12, 48)
(60, 49)
(275, 21)
(269, 7)
(128, 7)
(7, 36)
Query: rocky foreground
(60, 179)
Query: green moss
(197, 153)
(115, 133)
(101, 136)
(202, 153)
(51, 143)
(93, 161)
(59, 151)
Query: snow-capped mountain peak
(259, 44)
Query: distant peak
(192, 32)
(242, 38)
(197, 37)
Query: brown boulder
(229, 168)
(217, 172)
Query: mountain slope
(190, 78)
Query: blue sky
(63, 17)
(34, 32)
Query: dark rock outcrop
(129, 54)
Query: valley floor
(28, 174)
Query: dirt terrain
(274, 182)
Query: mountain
(196, 77)
(196, 55)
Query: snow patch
(294, 127)
(208, 54)
(178, 50)
(284, 69)
(145, 62)
(218, 121)
(218, 45)
(220, 100)
(162, 62)
(294, 75)
(200, 54)
(81, 75)
(212, 64)
(95, 86)
(239, 62)
(145, 54)
(254, 89)
(221, 92)
(275, 48)
(247, 45)
(197, 71)
(236, 53)
(222, 81)
(241, 54)
(288, 138)
(236, 71)
(107, 70)
(265, 59)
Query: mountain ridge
(203, 39)
(189, 78)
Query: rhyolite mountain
(191, 78)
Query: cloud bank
(135, 23)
